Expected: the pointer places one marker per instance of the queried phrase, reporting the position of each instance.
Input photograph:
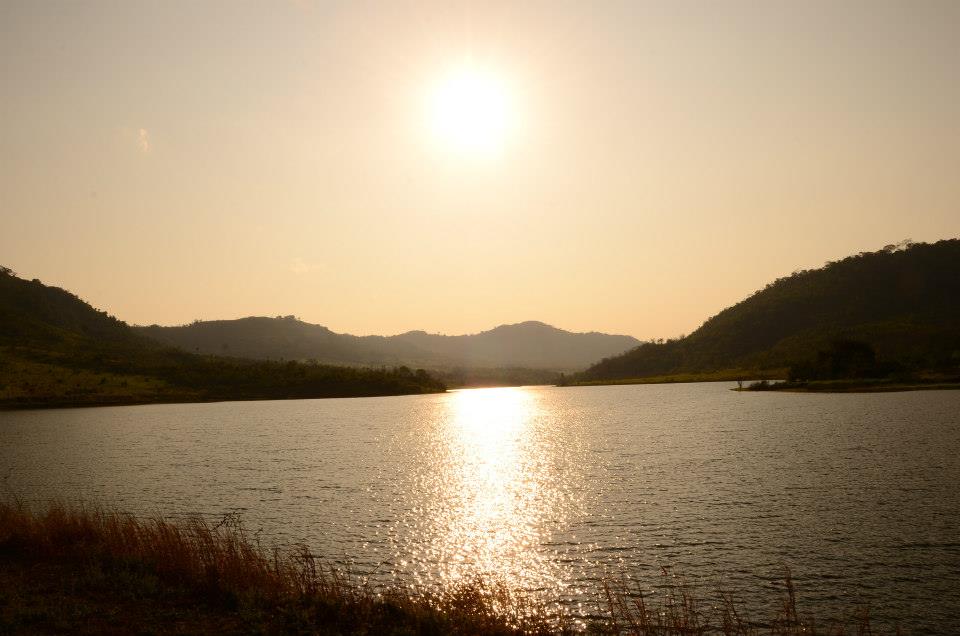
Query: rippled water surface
(554, 488)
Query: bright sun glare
(470, 111)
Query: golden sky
(169, 161)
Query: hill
(530, 345)
(903, 301)
(55, 349)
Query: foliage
(844, 359)
(56, 349)
(903, 301)
(498, 376)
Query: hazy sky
(169, 161)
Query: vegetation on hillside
(850, 365)
(843, 359)
(902, 301)
(56, 349)
(86, 570)
(461, 377)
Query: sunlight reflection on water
(495, 481)
(492, 478)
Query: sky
(658, 161)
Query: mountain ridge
(528, 344)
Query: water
(553, 489)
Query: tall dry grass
(291, 591)
(222, 565)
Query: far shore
(37, 404)
(772, 384)
(752, 386)
(852, 386)
(729, 375)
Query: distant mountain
(903, 300)
(55, 349)
(532, 345)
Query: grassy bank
(91, 571)
(86, 570)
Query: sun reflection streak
(498, 511)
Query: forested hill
(532, 345)
(56, 349)
(903, 300)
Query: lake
(553, 489)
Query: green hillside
(55, 349)
(903, 301)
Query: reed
(214, 577)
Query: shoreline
(852, 387)
(727, 375)
(783, 386)
(66, 404)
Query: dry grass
(275, 591)
(244, 588)
(681, 613)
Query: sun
(469, 111)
